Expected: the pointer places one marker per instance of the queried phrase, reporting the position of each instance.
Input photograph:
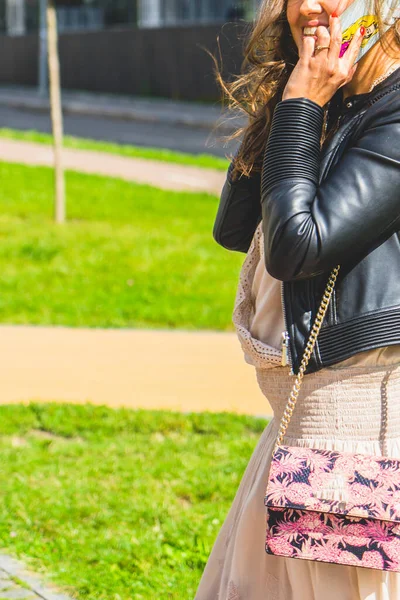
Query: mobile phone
(361, 13)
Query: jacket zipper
(286, 354)
(285, 348)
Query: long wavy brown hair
(270, 55)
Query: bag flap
(352, 485)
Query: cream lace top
(258, 316)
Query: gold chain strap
(294, 394)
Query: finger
(308, 48)
(350, 76)
(323, 39)
(352, 72)
(336, 37)
(354, 48)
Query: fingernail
(362, 30)
(334, 15)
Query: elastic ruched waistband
(353, 403)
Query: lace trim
(257, 353)
(233, 591)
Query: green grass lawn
(197, 160)
(118, 504)
(130, 255)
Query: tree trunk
(56, 111)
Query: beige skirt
(348, 408)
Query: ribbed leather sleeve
(312, 223)
(293, 148)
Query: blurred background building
(158, 13)
(21, 16)
(140, 47)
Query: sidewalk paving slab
(17, 581)
(135, 108)
(151, 369)
(159, 174)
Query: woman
(298, 208)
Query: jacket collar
(357, 101)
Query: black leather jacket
(339, 204)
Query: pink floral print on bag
(329, 506)
(333, 507)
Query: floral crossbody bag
(331, 506)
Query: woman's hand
(320, 73)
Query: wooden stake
(56, 111)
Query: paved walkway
(16, 581)
(184, 371)
(152, 369)
(133, 108)
(165, 175)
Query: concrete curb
(16, 568)
(145, 110)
